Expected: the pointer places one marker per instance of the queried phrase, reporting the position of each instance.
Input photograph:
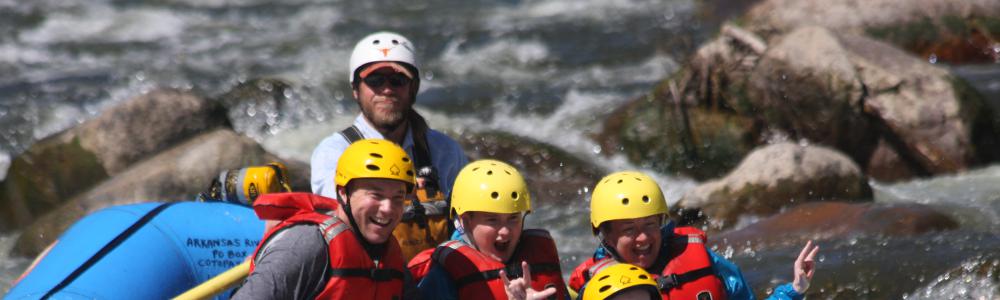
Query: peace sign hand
(520, 289)
(804, 267)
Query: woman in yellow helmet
(493, 257)
(628, 216)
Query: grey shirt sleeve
(291, 265)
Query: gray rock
(807, 85)
(58, 167)
(176, 174)
(777, 176)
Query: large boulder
(927, 114)
(895, 115)
(946, 30)
(807, 85)
(177, 174)
(776, 176)
(58, 167)
(825, 221)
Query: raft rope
(122, 237)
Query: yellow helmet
(625, 195)
(490, 186)
(374, 158)
(616, 278)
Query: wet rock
(676, 137)
(777, 176)
(951, 31)
(885, 164)
(58, 167)
(175, 174)
(807, 85)
(554, 176)
(918, 108)
(824, 221)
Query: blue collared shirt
(447, 157)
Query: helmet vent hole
(475, 169)
(376, 42)
(638, 179)
(375, 155)
(624, 201)
(603, 277)
(406, 159)
(620, 181)
(373, 167)
(633, 268)
(495, 195)
(489, 172)
(513, 195)
(395, 42)
(605, 288)
(409, 173)
(643, 277)
(645, 198)
(508, 172)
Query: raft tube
(143, 251)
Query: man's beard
(385, 122)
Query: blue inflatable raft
(143, 251)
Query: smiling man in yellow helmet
(493, 257)
(628, 216)
(339, 248)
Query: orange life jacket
(353, 273)
(477, 276)
(687, 275)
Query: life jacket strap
(671, 281)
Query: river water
(548, 70)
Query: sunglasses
(395, 80)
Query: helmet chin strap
(369, 247)
(607, 247)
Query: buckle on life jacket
(666, 283)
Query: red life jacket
(420, 264)
(353, 274)
(477, 276)
(688, 274)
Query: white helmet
(383, 46)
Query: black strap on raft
(373, 274)
(668, 282)
(118, 240)
(513, 271)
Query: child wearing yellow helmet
(622, 281)
(628, 216)
(492, 256)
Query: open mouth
(380, 221)
(643, 250)
(501, 246)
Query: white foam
(4, 165)
(610, 11)
(57, 118)
(104, 23)
(505, 59)
(966, 284)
